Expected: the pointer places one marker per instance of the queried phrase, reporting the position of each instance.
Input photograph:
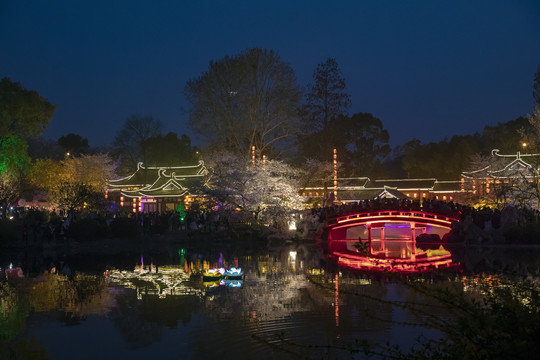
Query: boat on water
(14, 273)
(234, 273)
(232, 283)
(212, 284)
(212, 275)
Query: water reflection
(290, 303)
(161, 281)
(389, 245)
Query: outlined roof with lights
(506, 166)
(362, 188)
(159, 182)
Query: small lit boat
(14, 273)
(211, 284)
(234, 273)
(212, 275)
(233, 283)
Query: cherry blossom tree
(266, 189)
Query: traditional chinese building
(502, 173)
(158, 189)
(362, 188)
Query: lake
(292, 302)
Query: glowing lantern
(253, 155)
(335, 174)
(121, 201)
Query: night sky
(427, 69)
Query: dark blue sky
(427, 69)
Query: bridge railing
(391, 214)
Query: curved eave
(155, 194)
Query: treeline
(446, 159)
(249, 103)
(253, 100)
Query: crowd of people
(51, 226)
(483, 217)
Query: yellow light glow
(292, 256)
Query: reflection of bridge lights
(337, 300)
(394, 265)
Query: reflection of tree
(14, 311)
(81, 296)
(168, 311)
(137, 332)
(493, 318)
(30, 348)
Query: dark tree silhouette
(74, 144)
(129, 144)
(326, 98)
(250, 99)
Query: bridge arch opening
(390, 239)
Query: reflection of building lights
(292, 225)
(292, 256)
(168, 281)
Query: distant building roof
(370, 194)
(446, 186)
(405, 184)
(161, 181)
(505, 166)
(362, 188)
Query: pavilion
(502, 171)
(158, 188)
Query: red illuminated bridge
(386, 240)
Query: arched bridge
(376, 237)
(393, 216)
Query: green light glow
(13, 155)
